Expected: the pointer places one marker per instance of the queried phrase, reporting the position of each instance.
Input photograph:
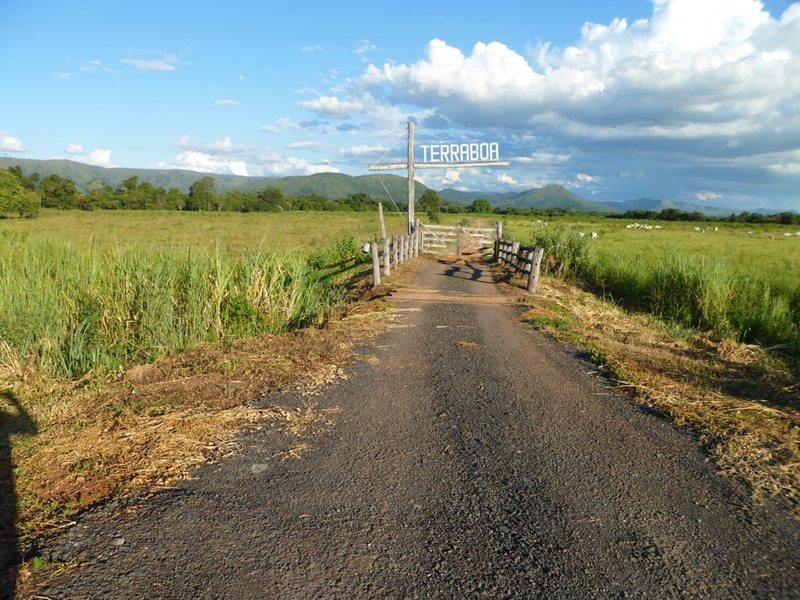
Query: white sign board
(472, 152)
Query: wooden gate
(456, 239)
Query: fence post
(499, 230)
(402, 248)
(396, 250)
(527, 260)
(376, 265)
(383, 223)
(458, 241)
(418, 229)
(515, 255)
(387, 258)
(536, 263)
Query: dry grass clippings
(155, 423)
(743, 401)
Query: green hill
(549, 196)
(555, 196)
(327, 185)
(659, 205)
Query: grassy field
(240, 232)
(736, 280)
(96, 292)
(83, 291)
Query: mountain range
(337, 185)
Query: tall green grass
(67, 310)
(709, 294)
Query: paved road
(472, 457)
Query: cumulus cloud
(153, 61)
(9, 143)
(311, 48)
(363, 150)
(507, 179)
(694, 69)
(584, 178)
(74, 149)
(227, 158)
(278, 165)
(699, 93)
(707, 195)
(218, 146)
(204, 162)
(332, 107)
(228, 102)
(99, 157)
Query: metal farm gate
(456, 239)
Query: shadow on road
(464, 271)
(13, 420)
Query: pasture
(767, 252)
(740, 281)
(83, 291)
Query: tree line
(25, 194)
(674, 214)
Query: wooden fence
(521, 260)
(457, 238)
(391, 252)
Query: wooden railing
(391, 252)
(521, 260)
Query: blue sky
(693, 100)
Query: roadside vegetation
(735, 282)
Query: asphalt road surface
(472, 457)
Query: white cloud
(696, 69)
(282, 124)
(362, 150)
(219, 146)
(332, 107)
(451, 176)
(9, 143)
(98, 157)
(277, 165)
(584, 178)
(508, 180)
(541, 158)
(364, 46)
(305, 144)
(159, 62)
(707, 195)
(311, 48)
(228, 102)
(203, 162)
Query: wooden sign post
(442, 156)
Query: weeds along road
(472, 457)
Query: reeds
(704, 293)
(67, 311)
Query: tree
(14, 198)
(202, 195)
(431, 203)
(481, 206)
(58, 192)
